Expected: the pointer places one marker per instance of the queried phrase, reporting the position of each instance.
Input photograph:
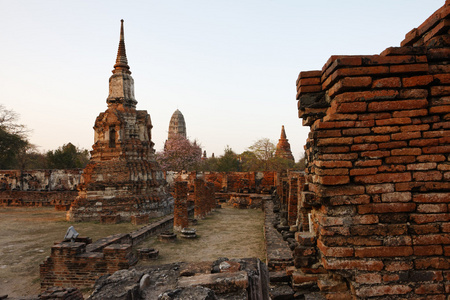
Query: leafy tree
(179, 154)
(208, 165)
(12, 138)
(264, 151)
(228, 162)
(67, 157)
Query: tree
(67, 157)
(261, 157)
(12, 138)
(179, 154)
(264, 151)
(228, 162)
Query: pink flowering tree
(179, 154)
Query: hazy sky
(229, 66)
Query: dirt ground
(27, 234)
(227, 232)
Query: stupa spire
(121, 60)
(283, 133)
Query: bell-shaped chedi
(283, 147)
(122, 177)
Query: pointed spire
(121, 60)
(283, 133)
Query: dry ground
(27, 234)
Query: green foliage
(67, 157)
(228, 162)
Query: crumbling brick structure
(180, 208)
(122, 177)
(378, 165)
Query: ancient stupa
(283, 146)
(177, 125)
(122, 177)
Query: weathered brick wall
(259, 182)
(180, 207)
(40, 180)
(378, 166)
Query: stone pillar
(211, 202)
(180, 211)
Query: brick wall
(378, 166)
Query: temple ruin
(283, 146)
(122, 178)
(177, 126)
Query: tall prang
(177, 125)
(283, 147)
(122, 177)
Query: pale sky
(229, 66)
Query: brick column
(199, 194)
(180, 211)
(292, 199)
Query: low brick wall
(58, 199)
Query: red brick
(421, 166)
(309, 81)
(333, 164)
(442, 125)
(348, 264)
(444, 167)
(440, 109)
(424, 142)
(380, 188)
(334, 251)
(383, 251)
(382, 178)
(390, 145)
(375, 116)
(413, 94)
(341, 190)
(396, 266)
(406, 135)
(440, 90)
(417, 81)
(333, 180)
(382, 208)
(432, 208)
(331, 125)
(335, 149)
(335, 141)
(356, 131)
(328, 133)
(364, 147)
(391, 168)
(427, 176)
(371, 139)
(382, 290)
(339, 156)
(432, 239)
(368, 278)
(393, 121)
(375, 154)
(430, 218)
(365, 219)
(398, 105)
(429, 288)
(338, 61)
(406, 151)
(352, 199)
(443, 78)
(396, 197)
(309, 74)
(431, 158)
(308, 89)
(348, 83)
(391, 277)
(411, 68)
(427, 250)
(366, 96)
(410, 113)
(437, 149)
(332, 171)
(367, 163)
(432, 198)
(298, 278)
(385, 129)
(409, 128)
(390, 82)
(439, 263)
(400, 159)
(363, 171)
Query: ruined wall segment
(122, 177)
(378, 166)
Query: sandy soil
(27, 234)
